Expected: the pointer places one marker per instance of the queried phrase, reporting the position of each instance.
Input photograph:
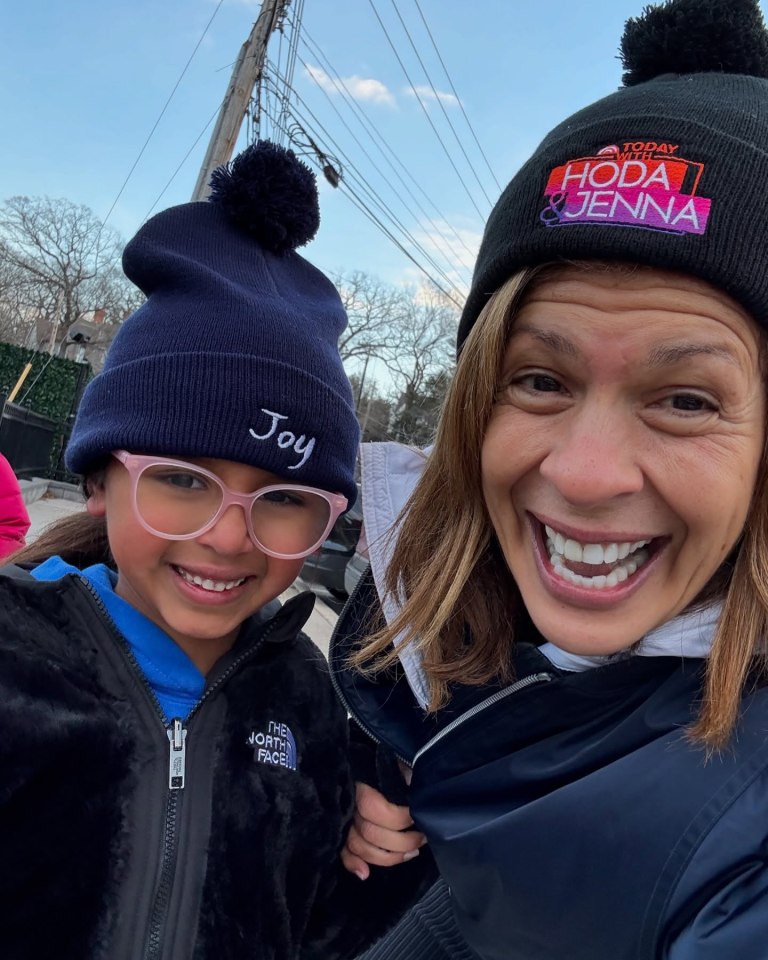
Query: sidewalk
(46, 510)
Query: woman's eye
(542, 383)
(690, 403)
(538, 391)
(535, 383)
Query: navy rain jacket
(570, 816)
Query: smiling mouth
(206, 583)
(596, 566)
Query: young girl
(174, 781)
(577, 599)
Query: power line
(373, 163)
(162, 112)
(453, 90)
(349, 190)
(425, 111)
(365, 209)
(440, 103)
(293, 50)
(383, 146)
(183, 161)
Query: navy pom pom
(695, 36)
(269, 193)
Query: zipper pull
(177, 738)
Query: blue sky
(83, 82)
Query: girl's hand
(379, 834)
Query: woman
(573, 659)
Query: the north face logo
(276, 747)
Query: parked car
(326, 567)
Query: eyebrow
(555, 341)
(660, 356)
(674, 353)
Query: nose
(229, 535)
(594, 457)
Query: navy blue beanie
(234, 354)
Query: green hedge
(52, 384)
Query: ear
(96, 504)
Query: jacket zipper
(529, 681)
(176, 732)
(488, 702)
(340, 693)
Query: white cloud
(453, 247)
(428, 94)
(361, 88)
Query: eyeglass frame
(137, 463)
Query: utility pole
(246, 73)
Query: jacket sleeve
(351, 914)
(427, 932)
(14, 519)
(355, 914)
(732, 922)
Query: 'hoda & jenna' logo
(645, 184)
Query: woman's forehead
(645, 296)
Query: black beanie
(671, 171)
(234, 355)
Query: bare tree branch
(58, 263)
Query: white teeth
(611, 553)
(600, 582)
(572, 551)
(562, 550)
(592, 553)
(215, 585)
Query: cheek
(284, 571)
(715, 514)
(512, 445)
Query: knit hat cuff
(251, 410)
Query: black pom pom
(269, 193)
(695, 36)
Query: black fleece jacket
(114, 845)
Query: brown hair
(451, 579)
(79, 539)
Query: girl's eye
(183, 481)
(286, 498)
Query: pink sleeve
(14, 519)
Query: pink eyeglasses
(176, 500)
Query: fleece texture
(101, 860)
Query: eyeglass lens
(181, 501)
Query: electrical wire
(162, 112)
(183, 161)
(458, 98)
(440, 103)
(425, 111)
(382, 206)
(364, 208)
(375, 166)
(293, 47)
(384, 148)
(373, 198)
